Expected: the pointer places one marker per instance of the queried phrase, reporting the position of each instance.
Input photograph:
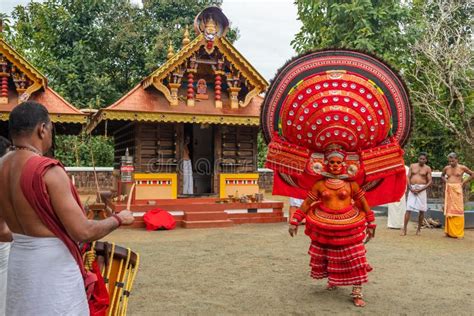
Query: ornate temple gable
(18, 75)
(207, 69)
(20, 81)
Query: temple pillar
(233, 94)
(218, 89)
(190, 94)
(174, 93)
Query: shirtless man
(419, 179)
(452, 176)
(43, 276)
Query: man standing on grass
(452, 175)
(419, 179)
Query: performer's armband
(312, 196)
(359, 195)
(298, 216)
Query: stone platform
(207, 212)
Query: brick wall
(85, 182)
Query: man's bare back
(14, 207)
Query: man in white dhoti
(4, 251)
(187, 168)
(396, 211)
(419, 179)
(45, 272)
(4, 246)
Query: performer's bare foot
(357, 296)
(418, 232)
(331, 287)
(403, 232)
(359, 302)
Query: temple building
(206, 92)
(20, 81)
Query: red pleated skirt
(345, 265)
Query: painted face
(335, 165)
(453, 161)
(422, 160)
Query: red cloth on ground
(35, 191)
(159, 219)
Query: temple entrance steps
(208, 212)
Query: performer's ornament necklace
(29, 148)
(334, 184)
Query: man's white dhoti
(396, 213)
(417, 202)
(187, 177)
(296, 202)
(43, 279)
(4, 250)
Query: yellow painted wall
(144, 191)
(240, 189)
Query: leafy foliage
(373, 26)
(262, 149)
(77, 151)
(441, 77)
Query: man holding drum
(42, 211)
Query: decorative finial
(170, 50)
(186, 39)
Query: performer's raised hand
(293, 230)
(127, 217)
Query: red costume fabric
(35, 191)
(341, 265)
(159, 219)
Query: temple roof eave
(156, 117)
(55, 118)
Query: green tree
(90, 50)
(373, 26)
(76, 151)
(262, 149)
(441, 76)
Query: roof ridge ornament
(170, 50)
(186, 39)
(212, 23)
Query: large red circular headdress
(337, 97)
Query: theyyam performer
(335, 122)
